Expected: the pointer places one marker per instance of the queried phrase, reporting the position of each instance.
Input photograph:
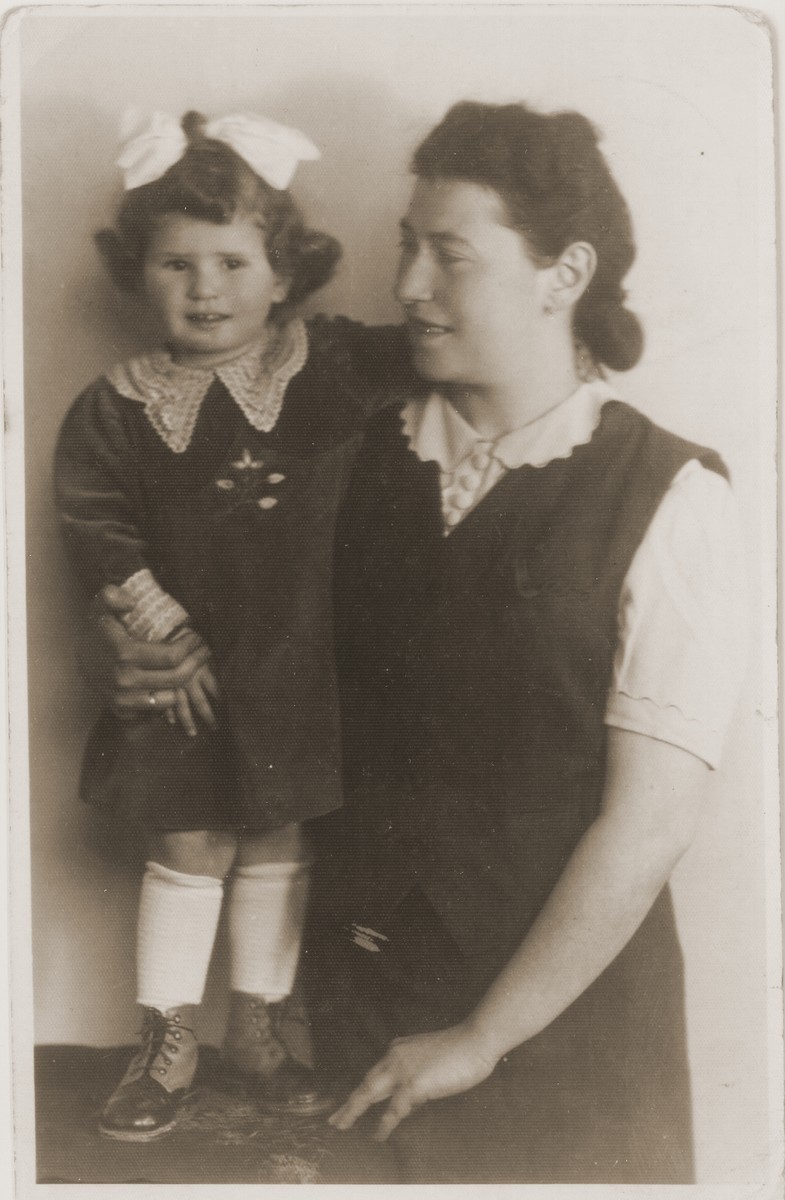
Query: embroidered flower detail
(226, 485)
(172, 394)
(276, 477)
(267, 502)
(246, 462)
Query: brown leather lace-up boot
(146, 1102)
(255, 1047)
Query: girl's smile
(211, 286)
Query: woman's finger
(184, 714)
(209, 682)
(157, 670)
(115, 599)
(370, 1091)
(398, 1109)
(126, 703)
(199, 699)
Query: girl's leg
(266, 914)
(266, 911)
(182, 893)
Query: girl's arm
(649, 811)
(98, 492)
(101, 508)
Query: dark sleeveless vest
(474, 671)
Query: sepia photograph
(391, 484)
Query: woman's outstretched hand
(427, 1066)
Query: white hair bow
(271, 150)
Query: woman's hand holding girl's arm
(126, 671)
(649, 812)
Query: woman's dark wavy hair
(212, 183)
(557, 189)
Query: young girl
(203, 480)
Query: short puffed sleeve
(683, 620)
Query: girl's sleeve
(683, 620)
(99, 499)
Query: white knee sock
(178, 917)
(266, 913)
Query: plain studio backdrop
(683, 97)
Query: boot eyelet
(162, 1070)
(177, 1035)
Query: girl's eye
(234, 264)
(176, 264)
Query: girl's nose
(415, 279)
(202, 283)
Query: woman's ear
(570, 275)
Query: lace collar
(172, 394)
(436, 432)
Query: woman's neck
(495, 410)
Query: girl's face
(473, 297)
(211, 286)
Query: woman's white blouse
(682, 611)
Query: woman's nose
(414, 280)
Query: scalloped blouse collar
(436, 432)
(172, 394)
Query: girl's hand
(414, 1070)
(194, 697)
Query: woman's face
(472, 295)
(211, 286)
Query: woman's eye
(176, 264)
(234, 264)
(447, 259)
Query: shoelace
(155, 1033)
(272, 1020)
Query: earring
(585, 366)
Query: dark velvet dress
(239, 529)
(474, 671)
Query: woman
(537, 622)
(531, 691)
